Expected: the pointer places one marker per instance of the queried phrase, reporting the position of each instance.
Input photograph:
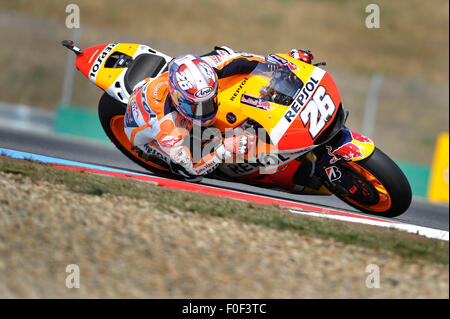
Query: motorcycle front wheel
(381, 188)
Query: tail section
(106, 65)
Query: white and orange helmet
(193, 87)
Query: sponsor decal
(276, 59)
(101, 57)
(347, 146)
(155, 152)
(133, 105)
(334, 159)
(203, 92)
(213, 60)
(235, 94)
(222, 52)
(348, 151)
(360, 138)
(300, 99)
(144, 102)
(216, 59)
(129, 119)
(255, 102)
(333, 173)
(265, 105)
(170, 141)
(263, 161)
(208, 72)
(206, 168)
(249, 100)
(135, 109)
(353, 189)
(156, 94)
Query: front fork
(345, 146)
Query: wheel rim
(117, 128)
(384, 202)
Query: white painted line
(423, 231)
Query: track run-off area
(423, 217)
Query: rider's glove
(302, 55)
(238, 144)
(182, 157)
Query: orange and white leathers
(159, 130)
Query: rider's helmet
(193, 88)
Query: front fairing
(347, 145)
(296, 103)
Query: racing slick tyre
(111, 113)
(382, 188)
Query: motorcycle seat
(143, 66)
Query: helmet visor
(200, 110)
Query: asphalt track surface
(421, 212)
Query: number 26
(317, 111)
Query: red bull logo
(360, 138)
(256, 102)
(348, 151)
(264, 105)
(354, 146)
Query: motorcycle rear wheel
(111, 114)
(383, 189)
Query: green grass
(406, 245)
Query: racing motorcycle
(306, 147)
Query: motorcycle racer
(293, 108)
(161, 113)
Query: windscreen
(282, 86)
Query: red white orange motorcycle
(305, 146)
